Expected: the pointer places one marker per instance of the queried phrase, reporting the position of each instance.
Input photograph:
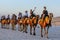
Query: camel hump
(40, 21)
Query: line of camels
(24, 22)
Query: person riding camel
(26, 14)
(32, 14)
(45, 13)
(8, 21)
(19, 15)
(3, 21)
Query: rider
(45, 13)
(14, 18)
(26, 14)
(3, 17)
(32, 14)
(19, 15)
(8, 18)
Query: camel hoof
(1, 27)
(23, 31)
(20, 30)
(7, 28)
(13, 29)
(41, 35)
(30, 33)
(47, 37)
(4, 27)
(26, 32)
(34, 34)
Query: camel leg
(13, 26)
(19, 28)
(34, 30)
(25, 28)
(1, 25)
(46, 32)
(7, 26)
(41, 32)
(30, 30)
(47, 29)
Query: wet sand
(56, 21)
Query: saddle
(43, 22)
(28, 21)
(13, 22)
(20, 21)
(34, 20)
(8, 21)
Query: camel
(13, 21)
(3, 22)
(45, 24)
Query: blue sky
(16, 6)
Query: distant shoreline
(56, 21)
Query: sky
(16, 6)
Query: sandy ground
(8, 34)
(56, 21)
